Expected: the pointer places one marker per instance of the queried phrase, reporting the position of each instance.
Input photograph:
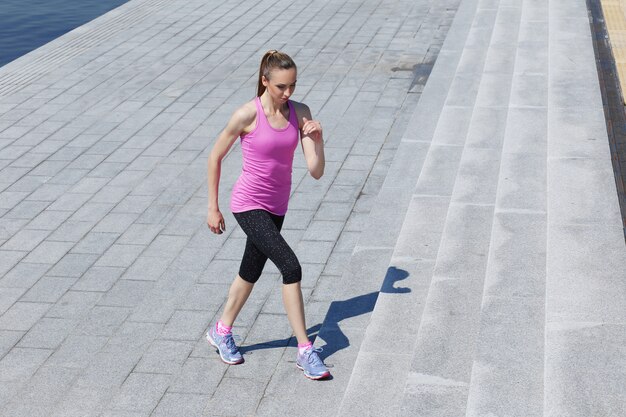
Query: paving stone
(199, 376)
(69, 202)
(164, 357)
(205, 297)
(98, 279)
(166, 246)
(109, 194)
(232, 249)
(22, 363)
(25, 240)
(8, 339)
(48, 192)
(115, 222)
(27, 210)
(46, 387)
(8, 296)
(28, 183)
(81, 401)
(193, 260)
(72, 265)
(88, 185)
(92, 212)
(141, 392)
(185, 325)
(48, 333)
(71, 231)
(74, 304)
(239, 404)
(23, 275)
(102, 321)
(323, 230)
(298, 219)
(140, 234)
(48, 289)
(20, 408)
(133, 203)
(173, 404)
(122, 413)
(48, 220)
(309, 251)
(147, 268)
(120, 255)
(9, 199)
(22, 315)
(126, 293)
(8, 390)
(337, 263)
(77, 351)
(95, 243)
(48, 252)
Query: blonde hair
(272, 59)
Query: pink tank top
(265, 180)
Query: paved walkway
(109, 274)
(467, 219)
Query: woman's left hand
(312, 129)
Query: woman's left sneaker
(310, 362)
(229, 352)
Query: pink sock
(221, 328)
(304, 346)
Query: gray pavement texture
(463, 254)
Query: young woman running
(269, 127)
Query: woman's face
(281, 84)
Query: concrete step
(440, 374)
(506, 278)
(507, 370)
(585, 365)
(413, 189)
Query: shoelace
(230, 343)
(313, 358)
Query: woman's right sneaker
(229, 352)
(310, 362)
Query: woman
(269, 127)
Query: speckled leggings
(265, 241)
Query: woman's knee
(292, 274)
(250, 276)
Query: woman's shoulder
(246, 112)
(300, 107)
(302, 110)
(245, 116)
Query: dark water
(27, 24)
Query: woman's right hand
(215, 221)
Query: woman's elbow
(317, 174)
(215, 158)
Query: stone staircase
(504, 260)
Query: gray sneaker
(312, 365)
(229, 352)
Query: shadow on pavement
(338, 311)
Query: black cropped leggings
(265, 241)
